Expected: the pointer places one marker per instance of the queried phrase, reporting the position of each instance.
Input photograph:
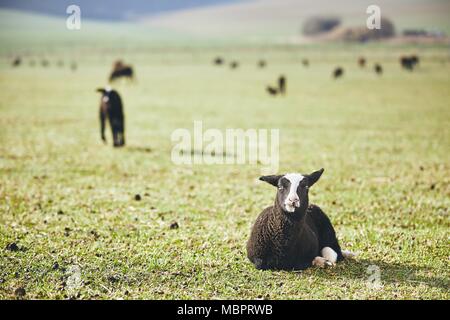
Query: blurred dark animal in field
(305, 62)
(218, 61)
(272, 91)
(282, 84)
(378, 69)
(362, 62)
(111, 109)
(17, 61)
(73, 66)
(409, 62)
(121, 70)
(234, 65)
(338, 72)
(45, 63)
(262, 63)
(406, 63)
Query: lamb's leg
(328, 258)
(321, 262)
(329, 254)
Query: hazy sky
(108, 9)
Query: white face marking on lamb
(108, 88)
(105, 98)
(292, 200)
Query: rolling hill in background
(281, 19)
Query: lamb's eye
(280, 188)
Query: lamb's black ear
(272, 179)
(101, 90)
(313, 177)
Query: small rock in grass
(95, 234)
(12, 247)
(174, 225)
(55, 266)
(113, 278)
(67, 231)
(137, 197)
(60, 212)
(20, 292)
(432, 187)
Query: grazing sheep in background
(282, 84)
(378, 69)
(17, 61)
(271, 90)
(124, 72)
(234, 64)
(409, 62)
(111, 108)
(218, 61)
(45, 63)
(338, 72)
(291, 234)
(305, 62)
(121, 70)
(262, 63)
(406, 63)
(362, 62)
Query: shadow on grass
(391, 273)
(139, 149)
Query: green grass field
(67, 199)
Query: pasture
(67, 200)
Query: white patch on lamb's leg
(321, 262)
(329, 254)
(348, 254)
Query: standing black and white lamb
(291, 234)
(111, 109)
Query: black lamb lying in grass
(291, 234)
